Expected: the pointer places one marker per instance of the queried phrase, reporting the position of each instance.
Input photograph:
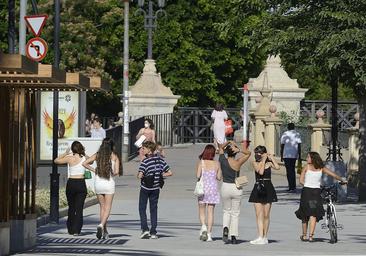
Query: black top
(228, 173)
(266, 174)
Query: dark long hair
(78, 148)
(208, 153)
(152, 126)
(104, 163)
(316, 160)
(219, 107)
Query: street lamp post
(125, 96)
(150, 21)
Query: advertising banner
(68, 122)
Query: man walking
(290, 151)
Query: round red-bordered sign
(36, 49)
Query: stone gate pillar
(272, 124)
(318, 130)
(149, 96)
(261, 113)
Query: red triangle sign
(36, 23)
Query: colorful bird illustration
(63, 125)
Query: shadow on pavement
(91, 251)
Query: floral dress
(210, 188)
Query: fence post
(270, 130)
(317, 131)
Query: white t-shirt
(98, 133)
(291, 139)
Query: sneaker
(105, 235)
(265, 240)
(209, 238)
(203, 233)
(225, 235)
(204, 236)
(145, 235)
(99, 231)
(256, 241)
(154, 236)
(233, 240)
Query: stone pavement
(178, 224)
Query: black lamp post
(150, 20)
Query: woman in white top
(108, 165)
(219, 116)
(311, 204)
(75, 187)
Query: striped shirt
(153, 165)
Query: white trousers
(231, 200)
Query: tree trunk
(362, 152)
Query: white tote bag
(139, 142)
(198, 190)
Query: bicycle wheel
(333, 228)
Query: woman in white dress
(108, 166)
(219, 116)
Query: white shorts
(104, 186)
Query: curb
(45, 219)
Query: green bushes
(43, 200)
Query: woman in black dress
(263, 198)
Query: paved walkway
(179, 226)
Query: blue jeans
(153, 197)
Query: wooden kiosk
(20, 81)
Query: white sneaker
(203, 233)
(154, 237)
(258, 240)
(265, 240)
(209, 238)
(145, 235)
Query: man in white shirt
(97, 131)
(290, 151)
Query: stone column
(354, 145)
(318, 130)
(149, 96)
(272, 123)
(261, 113)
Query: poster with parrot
(68, 121)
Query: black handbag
(261, 189)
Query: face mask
(257, 157)
(146, 125)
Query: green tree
(3, 25)
(329, 35)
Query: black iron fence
(346, 111)
(115, 134)
(134, 127)
(193, 125)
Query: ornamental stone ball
(319, 115)
(272, 110)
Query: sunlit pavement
(178, 225)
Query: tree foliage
(195, 58)
(325, 37)
(3, 25)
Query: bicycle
(329, 194)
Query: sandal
(304, 238)
(311, 239)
